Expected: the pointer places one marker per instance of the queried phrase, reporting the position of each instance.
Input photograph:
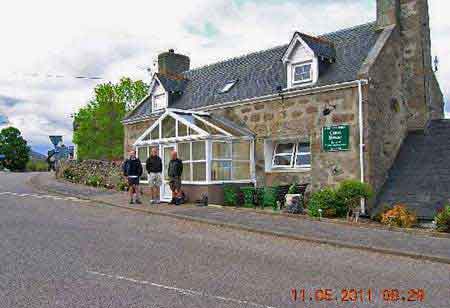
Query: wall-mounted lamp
(328, 109)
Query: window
(168, 127)
(302, 73)
(142, 154)
(227, 87)
(292, 155)
(230, 161)
(159, 101)
(194, 160)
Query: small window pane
(198, 150)
(302, 72)
(168, 127)
(155, 133)
(241, 150)
(303, 160)
(159, 101)
(241, 170)
(142, 154)
(144, 176)
(199, 171)
(284, 148)
(182, 130)
(221, 150)
(221, 170)
(283, 160)
(186, 175)
(303, 148)
(184, 151)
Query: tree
(98, 131)
(15, 149)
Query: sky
(47, 43)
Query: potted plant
(294, 200)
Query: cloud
(112, 39)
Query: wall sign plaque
(336, 138)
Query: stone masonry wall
(301, 117)
(386, 112)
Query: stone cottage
(317, 110)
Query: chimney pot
(171, 63)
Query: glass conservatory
(214, 150)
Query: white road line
(73, 199)
(182, 291)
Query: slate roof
(420, 176)
(261, 73)
(320, 46)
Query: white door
(166, 193)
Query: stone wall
(386, 111)
(301, 118)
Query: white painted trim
(295, 39)
(186, 111)
(361, 139)
(212, 125)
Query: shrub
(249, 196)
(399, 216)
(37, 166)
(94, 180)
(326, 200)
(270, 197)
(351, 192)
(443, 219)
(71, 175)
(294, 189)
(122, 185)
(229, 195)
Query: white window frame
(164, 102)
(232, 160)
(295, 152)
(302, 64)
(228, 86)
(191, 162)
(143, 163)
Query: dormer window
(159, 102)
(302, 72)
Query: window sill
(289, 170)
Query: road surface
(65, 252)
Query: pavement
(66, 251)
(418, 245)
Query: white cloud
(114, 38)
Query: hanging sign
(336, 138)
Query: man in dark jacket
(132, 169)
(174, 172)
(154, 169)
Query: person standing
(132, 169)
(154, 169)
(174, 172)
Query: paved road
(59, 252)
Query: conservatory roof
(181, 125)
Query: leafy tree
(15, 149)
(98, 131)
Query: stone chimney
(172, 64)
(388, 13)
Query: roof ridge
(321, 36)
(235, 58)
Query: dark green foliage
(94, 180)
(229, 195)
(270, 197)
(249, 196)
(98, 130)
(327, 200)
(15, 148)
(294, 189)
(37, 166)
(350, 193)
(443, 219)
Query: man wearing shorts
(132, 169)
(174, 172)
(154, 169)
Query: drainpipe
(361, 140)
